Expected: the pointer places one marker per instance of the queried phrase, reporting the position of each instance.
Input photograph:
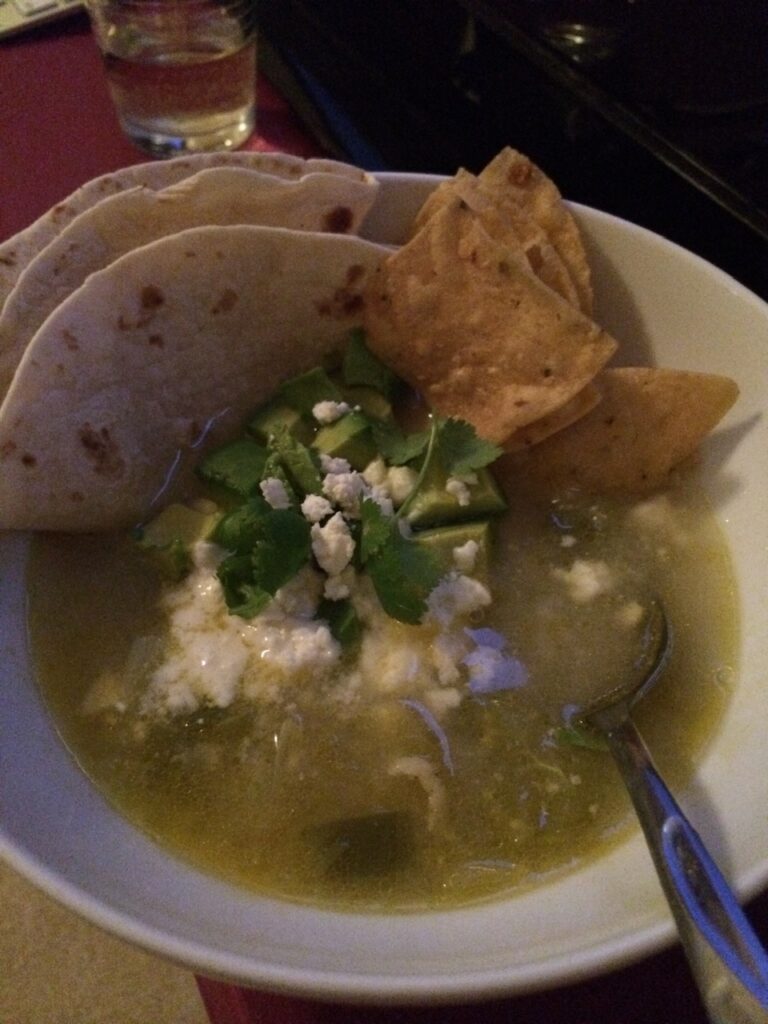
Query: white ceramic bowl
(665, 305)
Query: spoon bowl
(728, 962)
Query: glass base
(161, 141)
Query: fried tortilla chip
(316, 201)
(507, 222)
(649, 420)
(17, 251)
(510, 171)
(166, 345)
(540, 430)
(463, 320)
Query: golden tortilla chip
(458, 316)
(535, 433)
(649, 420)
(511, 172)
(507, 222)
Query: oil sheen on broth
(330, 794)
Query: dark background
(655, 111)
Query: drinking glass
(182, 73)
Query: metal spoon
(729, 964)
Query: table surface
(57, 130)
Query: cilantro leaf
(361, 366)
(376, 529)
(282, 549)
(281, 546)
(243, 597)
(461, 450)
(403, 574)
(300, 463)
(238, 530)
(396, 447)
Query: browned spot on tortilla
(354, 273)
(27, 459)
(520, 173)
(338, 220)
(151, 297)
(9, 259)
(8, 448)
(70, 340)
(102, 451)
(226, 301)
(156, 340)
(62, 210)
(76, 496)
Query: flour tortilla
(506, 220)
(462, 319)
(169, 342)
(649, 420)
(316, 201)
(17, 251)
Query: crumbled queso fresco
(212, 658)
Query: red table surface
(57, 130)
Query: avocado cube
(169, 536)
(350, 438)
(370, 401)
(433, 505)
(237, 466)
(275, 416)
(442, 540)
(305, 391)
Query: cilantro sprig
(403, 572)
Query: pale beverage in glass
(182, 73)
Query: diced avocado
(342, 619)
(276, 415)
(238, 466)
(371, 844)
(443, 540)
(361, 366)
(348, 438)
(305, 391)
(433, 505)
(169, 536)
(370, 401)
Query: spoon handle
(728, 962)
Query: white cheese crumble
(375, 473)
(585, 580)
(329, 412)
(315, 507)
(345, 490)
(332, 544)
(275, 493)
(400, 481)
(465, 556)
(332, 464)
(458, 487)
(454, 596)
(424, 772)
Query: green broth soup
(425, 766)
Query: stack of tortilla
(155, 307)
